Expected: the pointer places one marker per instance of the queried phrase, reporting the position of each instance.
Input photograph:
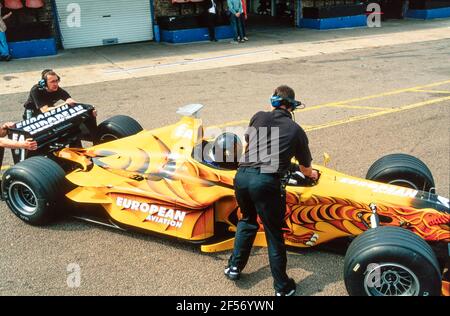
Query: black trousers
(211, 22)
(260, 194)
(2, 152)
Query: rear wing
(52, 130)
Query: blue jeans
(4, 49)
(242, 20)
(260, 194)
(237, 27)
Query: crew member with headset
(258, 187)
(45, 94)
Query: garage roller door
(104, 22)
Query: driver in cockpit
(224, 153)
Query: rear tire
(117, 127)
(402, 170)
(33, 188)
(387, 261)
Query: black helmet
(227, 150)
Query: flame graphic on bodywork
(333, 217)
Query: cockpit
(222, 153)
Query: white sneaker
(232, 273)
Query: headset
(277, 101)
(43, 82)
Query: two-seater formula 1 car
(151, 181)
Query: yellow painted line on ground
(381, 110)
(317, 107)
(416, 105)
(432, 91)
(392, 92)
(362, 107)
(375, 114)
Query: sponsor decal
(48, 119)
(444, 201)
(156, 213)
(184, 131)
(381, 188)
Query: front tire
(33, 188)
(391, 261)
(402, 170)
(117, 127)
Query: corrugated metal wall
(104, 22)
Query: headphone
(43, 82)
(277, 101)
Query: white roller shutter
(104, 22)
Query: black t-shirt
(40, 97)
(273, 139)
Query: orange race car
(153, 181)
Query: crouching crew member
(258, 185)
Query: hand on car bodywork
(4, 127)
(71, 101)
(314, 174)
(29, 144)
(309, 172)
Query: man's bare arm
(13, 144)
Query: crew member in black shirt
(45, 94)
(273, 139)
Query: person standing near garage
(4, 48)
(243, 17)
(211, 17)
(258, 185)
(235, 9)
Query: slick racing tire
(117, 127)
(402, 170)
(388, 261)
(33, 188)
